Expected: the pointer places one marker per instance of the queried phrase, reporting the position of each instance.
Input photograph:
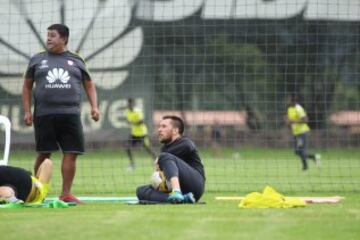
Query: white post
(7, 126)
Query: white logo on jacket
(58, 74)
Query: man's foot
(176, 197)
(189, 198)
(70, 199)
(318, 160)
(131, 168)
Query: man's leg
(39, 160)
(301, 151)
(147, 147)
(40, 184)
(181, 175)
(45, 171)
(68, 170)
(314, 157)
(148, 193)
(130, 144)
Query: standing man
(139, 132)
(297, 120)
(58, 76)
(180, 163)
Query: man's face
(166, 131)
(55, 43)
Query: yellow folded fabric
(270, 198)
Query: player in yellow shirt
(139, 132)
(297, 120)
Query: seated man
(18, 184)
(180, 162)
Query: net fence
(226, 67)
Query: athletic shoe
(176, 197)
(189, 198)
(317, 160)
(131, 168)
(70, 199)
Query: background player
(297, 121)
(139, 132)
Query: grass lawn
(214, 220)
(236, 172)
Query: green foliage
(346, 97)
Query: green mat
(48, 204)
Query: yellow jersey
(135, 118)
(296, 113)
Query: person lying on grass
(17, 184)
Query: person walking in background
(138, 134)
(58, 75)
(298, 122)
(217, 134)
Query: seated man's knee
(141, 192)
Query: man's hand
(28, 118)
(95, 114)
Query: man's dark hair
(62, 29)
(177, 122)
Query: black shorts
(144, 140)
(59, 130)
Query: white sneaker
(131, 168)
(318, 160)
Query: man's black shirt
(185, 149)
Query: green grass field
(215, 220)
(236, 172)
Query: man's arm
(26, 97)
(301, 120)
(90, 90)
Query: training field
(251, 169)
(237, 169)
(211, 221)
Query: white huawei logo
(58, 73)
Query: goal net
(226, 67)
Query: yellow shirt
(134, 117)
(295, 113)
